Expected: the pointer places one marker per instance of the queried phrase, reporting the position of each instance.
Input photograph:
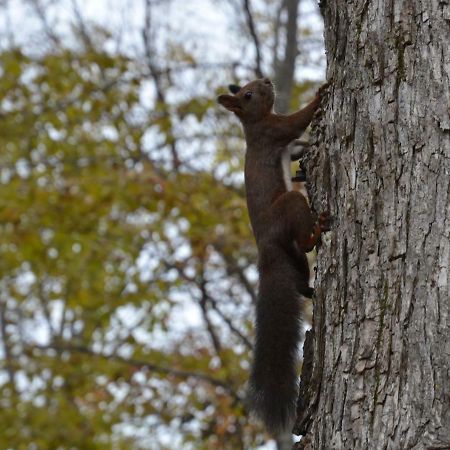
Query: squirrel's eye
(248, 95)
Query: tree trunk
(284, 69)
(379, 375)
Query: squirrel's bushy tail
(273, 385)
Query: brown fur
(285, 229)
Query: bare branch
(254, 36)
(141, 365)
(156, 75)
(4, 338)
(82, 26)
(228, 321)
(233, 268)
(203, 306)
(206, 298)
(45, 310)
(48, 29)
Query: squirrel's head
(251, 102)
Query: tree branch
(156, 75)
(254, 36)
(4, 338)
(203, 300)
(285, 69)
(228, 321)
(48, 29)
(276, 28)
(234, 269)
(82, 26)
(141, 365)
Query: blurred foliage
(127, 265)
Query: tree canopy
(127, 265)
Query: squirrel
(285, 229)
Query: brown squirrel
(285, 229)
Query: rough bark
(381, 165)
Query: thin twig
(203, 306)
(4, 339)
(82, 26)
(156, 75)
(48, 29)
(228, 321)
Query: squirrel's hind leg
(322, 225)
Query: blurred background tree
(127, 265)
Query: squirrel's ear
(230, 102)
(234, 88)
